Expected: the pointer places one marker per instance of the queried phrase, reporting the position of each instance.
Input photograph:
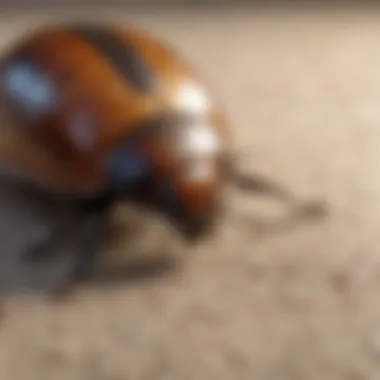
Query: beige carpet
(303, 90)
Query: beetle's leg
(46, 248)
(93, 217)
(89, 242)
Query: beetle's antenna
(298, 209)
(239, 153)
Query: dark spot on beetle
(121, 55)
(126, 167)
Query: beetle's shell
(82, 104)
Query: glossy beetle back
(82, 93)
(78, 90)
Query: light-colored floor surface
(303, 90)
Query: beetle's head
(175, 167)
(190, 176)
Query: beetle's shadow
(25, 218)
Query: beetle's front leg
(89, 243)
(45, 248)
(93, 218)
(91, 215)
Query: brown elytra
(96, 105)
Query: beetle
(113, 113)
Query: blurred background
(301, 87)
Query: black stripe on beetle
(123, 58)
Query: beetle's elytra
(118, 115)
